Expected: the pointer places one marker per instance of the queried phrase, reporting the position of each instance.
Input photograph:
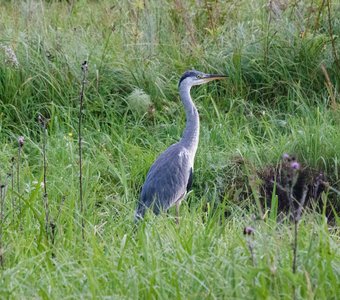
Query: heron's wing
(168, 178)
(190, 180)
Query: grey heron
(170, 176)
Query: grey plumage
(170, 176)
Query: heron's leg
(178, 203)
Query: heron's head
(193, 77)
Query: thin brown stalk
(3, 190)
(317, 20)
(84, 68)
(334, 190)
(182, 10)
(43, 122)
(249, 234)
(297, 217)
(331, 34)
(53, 225)
(308, 21)
(329, 86)
(21, 142)
(12, 186)
(2, 207)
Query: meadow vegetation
(281, 96)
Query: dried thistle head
(248, 230)
(21, 141)
(295, 165)
(84, 66)
(285, 156)
(43, 121)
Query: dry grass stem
(84, 69)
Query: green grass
(276, 100)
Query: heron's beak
(210, 77)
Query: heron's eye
(199, 76)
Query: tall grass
(282, 96)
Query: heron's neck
(191, 131)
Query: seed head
(84, 66)
(21, 141)
(43, 121)
(285, 156)
(248, 230)
(295, 165)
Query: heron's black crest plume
(189, 73)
